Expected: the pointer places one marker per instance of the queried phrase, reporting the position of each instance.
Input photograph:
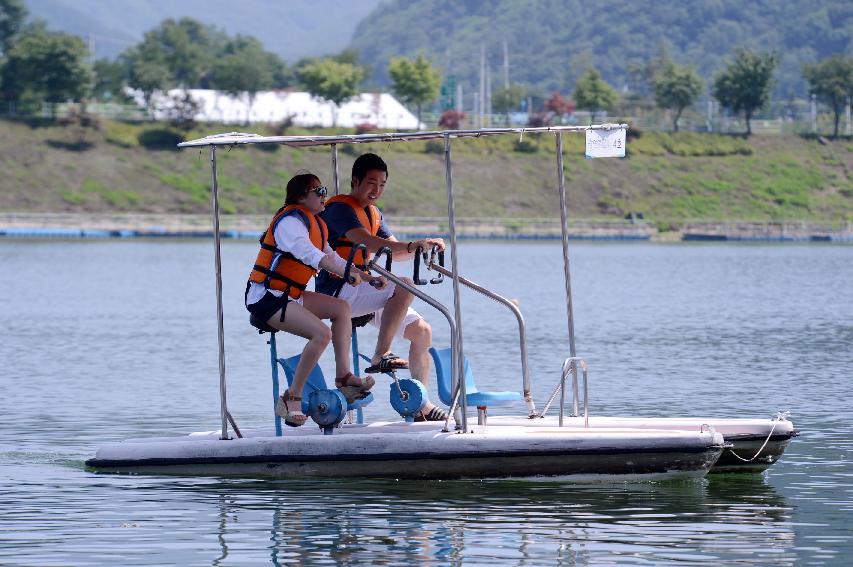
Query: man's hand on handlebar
(427, 244)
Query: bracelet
(408, 246)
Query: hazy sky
(291, 28)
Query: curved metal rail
(570, 366)
(522, 333)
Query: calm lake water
(100, 341)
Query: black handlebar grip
(440, 277)
(347, 277)
(384, 250)
(416, 276)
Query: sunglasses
(320, 191)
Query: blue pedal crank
(327, 408)
(408, 397)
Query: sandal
(435, 414)
(388, 363)
(354, 388)
(293, 418)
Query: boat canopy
(233, 138)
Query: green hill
(669, 177)
(551, 42)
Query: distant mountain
(292, 28)
(551, 42)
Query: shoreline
(153, 225)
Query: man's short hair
(368, 162)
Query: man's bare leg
(419, 335)
(392, 317)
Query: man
(355, 219)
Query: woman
(293, 249)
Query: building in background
(380, 110)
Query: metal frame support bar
(561, 179)
(274, 364)
(373, 265)
(522, 333)
(223, 405)
(571, 365)
(335, 178)
(454, 260)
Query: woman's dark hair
(368, 162)
(298, 186)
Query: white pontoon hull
(745, 438)
(422, 451)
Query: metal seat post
(274, 364)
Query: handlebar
(440, 277)
(416, 276)
(375, 282)
(419, 252)
(350, 258)
(387, 252)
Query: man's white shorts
(364, 299)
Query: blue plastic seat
(443, 360)
(315, 382)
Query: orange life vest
(370, 219)
(281, 270)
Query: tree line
(38, 65)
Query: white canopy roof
(232, 138)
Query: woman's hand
(376, 281)
(355, 277)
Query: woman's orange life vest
(281, 270)
(369, 218)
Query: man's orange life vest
(369, 219)
(281, 270)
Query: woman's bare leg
(338, 310)
(302, 322)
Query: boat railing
(431, 264)
(457, 386)
(570, 366)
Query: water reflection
(521, 522)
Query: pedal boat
(574, 447)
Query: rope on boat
(776, 419)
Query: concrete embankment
(76, 225)
(65, 225)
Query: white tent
(379, 109)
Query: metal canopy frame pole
(454, 260)
(561, 178)
(223, 406)
(335, 169)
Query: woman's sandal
(354, 388)
(388, 363)
(293, 418)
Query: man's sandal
(293, 418)
(354, 388)
(388, 363)
(435, 414)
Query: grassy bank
(671, 178)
